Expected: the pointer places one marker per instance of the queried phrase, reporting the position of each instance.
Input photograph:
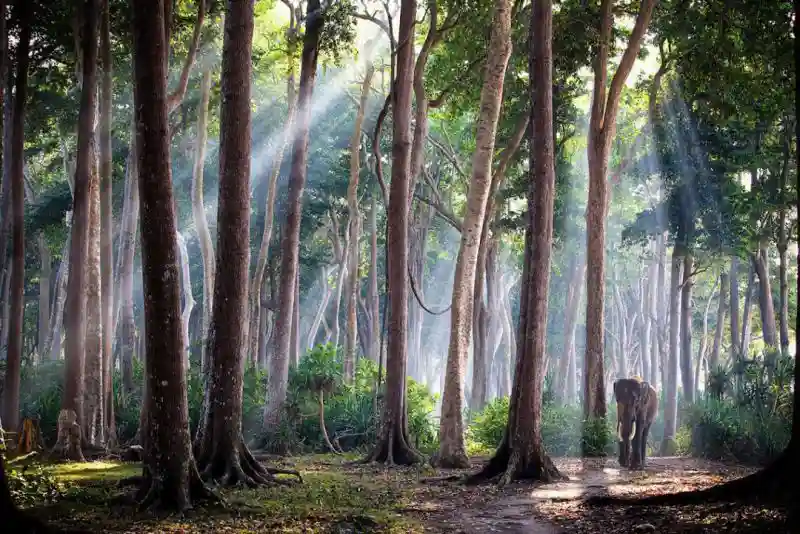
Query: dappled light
(399, 266)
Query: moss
(335, 497)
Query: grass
(331, 499)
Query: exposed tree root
(458, 460)
(393, 449)
(508, 466)
(236, 466)
(773, 484)
(68, 445)
(175, 495)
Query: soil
(340, 497)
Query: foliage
(564, 430)
(31, 483)
(746, 414)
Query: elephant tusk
(633, 428)
(619, 430)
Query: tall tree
(106, 208)
(354, 228)
(222, 455)
(23, 12)
(199, 211)
(521, 454)
(171, 480)
(393, 446)
(452, 451)
(290, 242)
(602, 129)
(70, 417)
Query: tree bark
(222, 455)
(452, 452)
(106, 215)
(783, 243)
(127, 253)
(323, 304)
(171, 480)
(393, 446)
(372, 292)
(521, 454)
(661, 357)
(199, 213)
(52, 344)
(45, 281)
(188, 298)
(290, 243)
(744, 343)
(16, 295)
(765, 303)
(351, 341)
(722, 310)
(671, 365)
(93, 419)
(687, 382)
(602, 128)
(702, 348)
(735, 321)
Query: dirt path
(558, 508)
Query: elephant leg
(645, 433)
(637, 457)
(624, 452)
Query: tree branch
(176, 97)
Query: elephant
(637, 406)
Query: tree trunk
(294, 352)
(393, 446)
(106, 216)
(269, 209)
(783, 243)
(744, 344)
(171, 479)
(735, 321)
(351, 341)
(222, 455)
(602, 130)
(127, 253)
(93, 420)
(661, 356)
(703, 345)
(16, 294)
(651, 315)
(199, 213)
(722, 310)
(521, 454)
(765, 303)
(323, 305)
(70, 419)
(372, 292)
(452, 452)
(45, 280)
(687, 382)
(53, 343)
(188, 298)
(671, 367)
(279, 363)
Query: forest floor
(340, 498)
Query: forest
(355, 266)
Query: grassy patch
(334, 497)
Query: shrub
(746, 413)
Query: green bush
(563, 430)
(746, 414)
(31, 484)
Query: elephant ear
(616, 389)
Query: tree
(171, 479)
(521, 454)
(393, 446)
(452, 452)
(13, 519)
(199, 210)
(69, 419)
(106, 208)
(222, 455)
(290, 242)
(17, 289)
(602, 128)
